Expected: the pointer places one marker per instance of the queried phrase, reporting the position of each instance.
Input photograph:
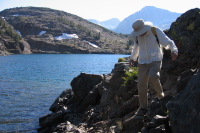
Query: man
(149, 54)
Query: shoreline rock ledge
(101, 104)
(93, 104)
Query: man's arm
(167, 43)
(134, 54)
(174, 55)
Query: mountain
(53, 31)
(10, 40)
(109, 24)
(159, 17)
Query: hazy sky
(103, 9)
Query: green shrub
(191, 26)
(121, 60)
(131, 75)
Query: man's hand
(174, 55)
(131, 63)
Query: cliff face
(100, 103)
(48, 30)
(10, 41)
(185, 32)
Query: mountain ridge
(125, 26)
(109, 24)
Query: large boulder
(59, 102)
(184, 108)
(184, 78)
(112, 82)
(83, 84)
(185, 32)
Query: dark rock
(93, 98)
(129, 106)
(50, 119)
(184, 78)
(121, 66)
(156, 130)
(64, 127)
(158, 106)
(159, 124)
(83, 84)
(184, 32)
(159, 120)
(119, 71)
(132, 125)
(93, 114)
(184, 108)
(111, 84)
(60, 101)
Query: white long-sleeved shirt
(148, 49)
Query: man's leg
(143, 85)
(154, 75)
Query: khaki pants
(149, 73)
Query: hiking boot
(141, 112)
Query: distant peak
(149, 7)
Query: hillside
(10, 41)
(159, 17)
(54, 31)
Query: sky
(102, 10)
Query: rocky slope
(100, 103)
(10, 41)
(148, 13)
(53, 31)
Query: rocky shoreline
(100, 103)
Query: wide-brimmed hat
(139, 28)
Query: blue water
(29, 84)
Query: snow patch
(66, 36)
(42, 32)
(15, 15)
(3, 18)
(94, 45)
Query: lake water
(29, 84)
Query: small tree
(98, 36)
(121, 60)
